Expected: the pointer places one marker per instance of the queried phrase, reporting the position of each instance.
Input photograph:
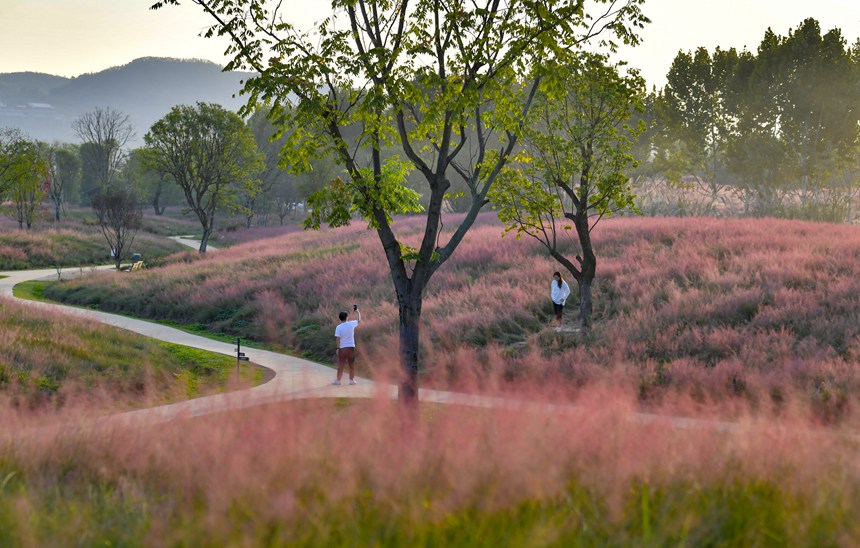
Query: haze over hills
(44, 106)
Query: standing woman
(560, 293)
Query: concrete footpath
(294, 378)
(297, 378)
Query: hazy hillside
(28, 87)
(146, 89)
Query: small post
(240, 357)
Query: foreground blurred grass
(326, 473)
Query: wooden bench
(137, 265)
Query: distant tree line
(41, 177)
(770, 132)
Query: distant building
(39, 107)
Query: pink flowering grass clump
(70, 247)
(328, 472)
(756, 312)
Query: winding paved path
(295, 378)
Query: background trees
(64, 168)
(14, 146)
(151, 185)
(120, 218)
(24, 174)
(768, 132)
(210, 153)
(104, 133)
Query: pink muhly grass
(690, 295)
(303, 464)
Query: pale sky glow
(72, 37)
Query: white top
(559, 294)
(345, 333)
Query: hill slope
(757, 311)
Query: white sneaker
(352, 381)
(335, 382)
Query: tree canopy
(210, 153)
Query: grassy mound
(21, 250)
(48, 358)
(754, 310)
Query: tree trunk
(410, 329)
(156, 205)
(57, 211)
(587, 269)
(585, 305)
(205, 239)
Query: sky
(73, 37)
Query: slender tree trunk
(156, 204)
(588, 270)
(204, 241)
(57, 211)
(586, 307)
(410, 330)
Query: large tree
(573, 169)
(24, 174)
(212, 156)
(150, 183)
(14, 159)
(120, 218)
(64, 167)
(106, 132)
(697, 116)
(445, 85)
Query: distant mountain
(28, 87)
(44, 106)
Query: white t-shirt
(346, 333)
(560, 294)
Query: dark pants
(559, 309)
(345, 355)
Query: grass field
(752, 314)
(752, 321)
